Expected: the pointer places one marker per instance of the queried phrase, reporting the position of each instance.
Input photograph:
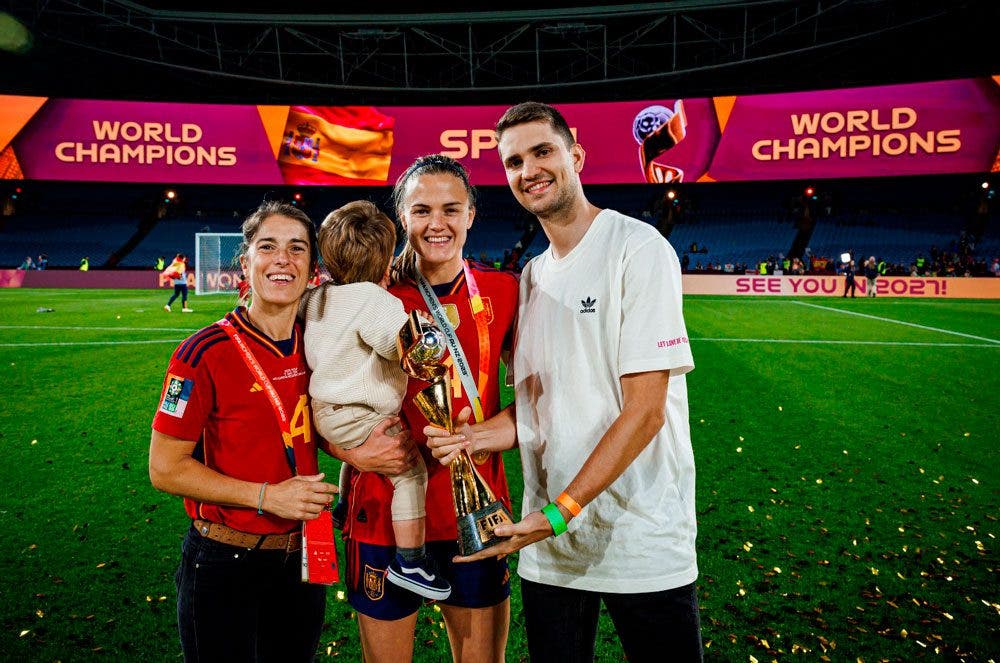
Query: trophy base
(475, 530)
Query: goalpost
(216, 268)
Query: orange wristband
(570, 504)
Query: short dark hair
(534, 111)
(356, 242)
(270, 208)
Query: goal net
(216, 268)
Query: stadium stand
(897, 238)
(65, 239)
(722, 241)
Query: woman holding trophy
(475, 306)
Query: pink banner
(72, 278)
(827, 286)
(921, 128)
(944, 127)
(144, 142)
(693, 284)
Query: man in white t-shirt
(602, 417)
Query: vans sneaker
(419, 577)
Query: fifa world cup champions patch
(176, 395)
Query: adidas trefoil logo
(588, 305)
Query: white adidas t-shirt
(609, 308)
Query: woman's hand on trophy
(446, 446)
(532, 528)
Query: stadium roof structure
(289, 53)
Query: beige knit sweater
(350, 345)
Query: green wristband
(555, 518)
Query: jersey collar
(239, 319)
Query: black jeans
(561, 623)
(235, 604)
(180, 289)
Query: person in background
(27, 264)
(85, 264)
(871, 276)
(849, 284)
(161, 264)
(42, 262)
(177, 273)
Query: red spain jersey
(210, 395)
(370, 518)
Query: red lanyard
(482, 329)
(272, 394)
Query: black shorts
(473, 585)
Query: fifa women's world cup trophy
(422, 347)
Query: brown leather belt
(218, 532)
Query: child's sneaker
(419, 577)
(187, 310)
(166, 307)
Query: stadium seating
(737, 223)
(64, 239)
(744, 241)
(895, 237)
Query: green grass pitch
(847, 455)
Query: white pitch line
(720, 340)
(72, 343)
(123, 329)
(833, 342)
(898, 322)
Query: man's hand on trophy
(533, 528)
(446, 446)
